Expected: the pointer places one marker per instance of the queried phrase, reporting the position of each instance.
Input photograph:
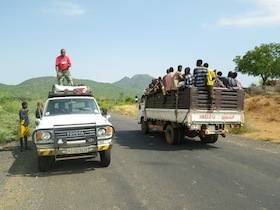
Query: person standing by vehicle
(39, 110)
(23, 128)
(62, 65)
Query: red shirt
(62, 62)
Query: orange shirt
(63, 62)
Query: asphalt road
(146, 173)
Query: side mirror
(104, 111)
(37, 121)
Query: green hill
(138, 81)
(38, 88)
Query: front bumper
(50, 150)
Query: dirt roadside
(262, 117)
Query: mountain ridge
(40, 86)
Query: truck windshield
(71, 106)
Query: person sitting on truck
(159, 86)
(164, 78)
(178, 79)
(218, 80)
(231, 83)
(188, 77)
(199, 74)
(238, 83)
(210, 85)
(169, 79)
(152, 87)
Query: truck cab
(72, 127)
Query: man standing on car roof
(62, 65)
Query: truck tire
(171, 135)
(144, 126)
(209, 138)
(105, 157)
(181, 134)
(43, 163)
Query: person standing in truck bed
(199, 74)
(169, 79)
(62, 65)
(210, 85)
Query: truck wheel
(181, 134)
(171, 135)
(144, 126)
(105, 157)
(43, 163)
(209, 138)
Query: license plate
(77, 150)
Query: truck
(186, 112)
(72, 126)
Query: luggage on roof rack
(61, 90)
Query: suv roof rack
(64, 91)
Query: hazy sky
(110, 39)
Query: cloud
(266, 14)
(63, 8)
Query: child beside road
(23, 128)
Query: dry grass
(263, 113)
(130, 110)
(262, 116)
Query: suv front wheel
(44, 163)
(105, 157)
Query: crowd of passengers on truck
(201, 73)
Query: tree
(263, 61)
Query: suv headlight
(105, 132)
(41, 135)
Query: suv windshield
(71, 106)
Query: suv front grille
(75, 132)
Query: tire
(210, 139)
(171, 135)
(144, 126)
(43, 163)
(181, 135)
(191, 134)
(105, 157)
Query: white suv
(72, 126)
